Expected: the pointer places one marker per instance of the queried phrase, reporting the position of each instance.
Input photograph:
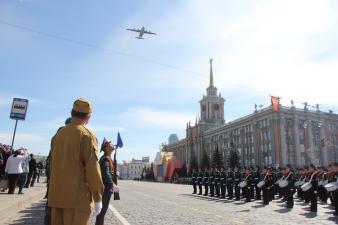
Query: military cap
(82, 105)
(105, 142)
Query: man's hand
(115, 188)
(98, 208)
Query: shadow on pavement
(333, 219)
(32, 215)
(309, 214)
(258, 206)
(285, 210)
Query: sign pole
(16, 124)
(18, 112)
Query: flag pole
(116, 194)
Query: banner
(275, 103)
(119, 141)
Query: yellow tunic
(75, 171)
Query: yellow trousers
(70, 216)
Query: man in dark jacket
(32, 172)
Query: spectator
(5, 151)
(14, 168)
(24, 176)
(40, 169)
(2, 162)
(32, 172)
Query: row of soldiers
(268, 183)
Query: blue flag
(119, 143)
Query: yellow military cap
(82, 105)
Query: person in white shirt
(14, 168)
(24, 175)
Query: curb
(18, 205)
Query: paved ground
(11, 204)
(157, 203)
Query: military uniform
(290, 190)
(223, 183)
(257, 178)
(212, 183)
(276, 190)
(266, 189)
(217, 183)
(322, 192)
(237, 180)
(194, 181)
(205, 182)
(200, 182)
(230, 184)
(107, 171)
(334, 194)
(313, 194)
(75, 179)
(247, 189)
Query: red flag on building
(275, 102)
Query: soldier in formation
(309, 184)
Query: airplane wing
(148, 32)
(135, 30)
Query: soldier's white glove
(98, 208)
(115, 188)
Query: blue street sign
(19, 109)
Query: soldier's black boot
(205, 190)
(20, 191)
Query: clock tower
(212, 105)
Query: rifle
(116, 194)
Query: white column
(297, 142)
(283, 142)
(324, 149)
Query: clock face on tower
(216, 107)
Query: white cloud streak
(154, 118)
(24, 139)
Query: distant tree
(205, 163)
(193, 164)
(150, 173)
(144, 171)
(233, 157)
(217, 160)
(184, 171)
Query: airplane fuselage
(140, 36)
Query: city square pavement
(159, 203)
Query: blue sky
(148, 89)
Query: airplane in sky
(141, 32)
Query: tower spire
(211, 75)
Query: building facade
(133, 169)
(266, 137)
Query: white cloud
(21, 139)
(267, 49)
(149, 117)
(104, 128)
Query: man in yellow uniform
(75, 179)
